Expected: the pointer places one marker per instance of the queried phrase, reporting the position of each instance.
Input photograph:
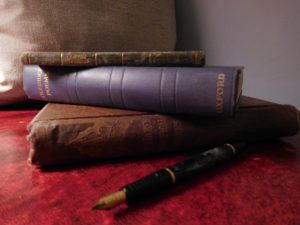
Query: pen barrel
(165, 178)
(146, 186)
(209, 159)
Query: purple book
(208, 91)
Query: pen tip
(98, 206)
(111, 200)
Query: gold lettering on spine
(147, 131)
(46, 85)
(39, 84)
(150, 58)
(96, 58)
(61, 59)
(163, 128)
(220, 93)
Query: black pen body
(165, 178)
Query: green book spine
(167, 58)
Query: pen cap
(204, 161)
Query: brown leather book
(63, 133)
(158, 58)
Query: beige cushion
(77, 25)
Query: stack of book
(114, 104)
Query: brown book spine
(171, 58)
(83, 139)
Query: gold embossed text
(39, 84)
(46, 85)
(220, 93)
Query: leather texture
(66, 133)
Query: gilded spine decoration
(220, 93)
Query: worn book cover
(159, 58)
(63, 133)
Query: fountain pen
(164, 179)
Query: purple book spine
(206, 91)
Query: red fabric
(261, 186)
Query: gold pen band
(232, 148)
(172, 174)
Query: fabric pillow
(90, 25)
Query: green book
(158, 58)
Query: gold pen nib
(98, 206)
(111, 200)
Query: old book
(63, 133)
(209, 91)
(162, 58)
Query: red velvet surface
(260, 186)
